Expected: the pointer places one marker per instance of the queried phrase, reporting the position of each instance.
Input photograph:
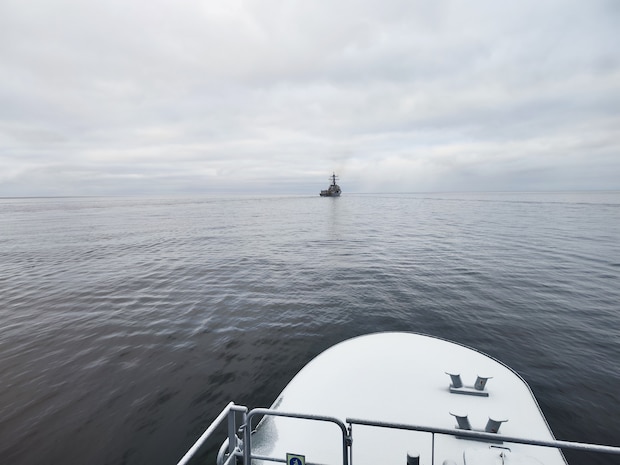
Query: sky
(137, 97)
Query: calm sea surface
(128, 323)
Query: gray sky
(263, 96)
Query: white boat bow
(401, 398)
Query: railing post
(192, 450)
(247, 430)
(350, 443)
(232, 432)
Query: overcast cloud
(270, 96)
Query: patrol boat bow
(397, 398)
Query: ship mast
(333, 176)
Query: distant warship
(333, 190)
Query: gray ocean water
(128, 323)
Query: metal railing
(247, 435)
(480, 435)
(237, 449)
(228, 412)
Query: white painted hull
(401, 378)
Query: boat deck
(402, 378)
(385, 397)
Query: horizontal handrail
(488, 436)
(347, 439)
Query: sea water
(128, 323)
